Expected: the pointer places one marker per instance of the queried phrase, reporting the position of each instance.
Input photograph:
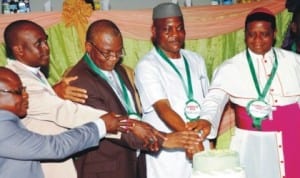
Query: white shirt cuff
(101, 127)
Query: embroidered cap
(165, 10)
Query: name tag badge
(192, 110)
(258, 109)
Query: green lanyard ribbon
(187, 88)
(125, 98)
(261, 95)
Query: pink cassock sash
(287, 120)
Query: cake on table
(217, 164)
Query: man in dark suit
(109, 88)
(21, 149)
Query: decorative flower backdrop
(76, 13)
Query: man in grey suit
(21, 149)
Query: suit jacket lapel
(28, 75)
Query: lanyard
(125, 98)
(188, 88)
(262, 95)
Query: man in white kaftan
(171, 82)
(156, 80)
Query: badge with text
(192, 110)
(258, 109)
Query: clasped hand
(190, 140)
(154, 140)
(143, 131)
(202, 127)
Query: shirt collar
(107, 73)
(259, 56)
(34, 70)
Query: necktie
(39, 76)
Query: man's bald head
(7, 76)
(100, 27)
(13, 97)
(13, 31)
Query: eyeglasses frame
(108, 54)
(19, 91)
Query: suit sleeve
(101, 96)
(19, 143)
(46, 106)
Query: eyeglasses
(108, 55)
(19, 91)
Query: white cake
(217, 164)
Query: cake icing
(217, 164)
